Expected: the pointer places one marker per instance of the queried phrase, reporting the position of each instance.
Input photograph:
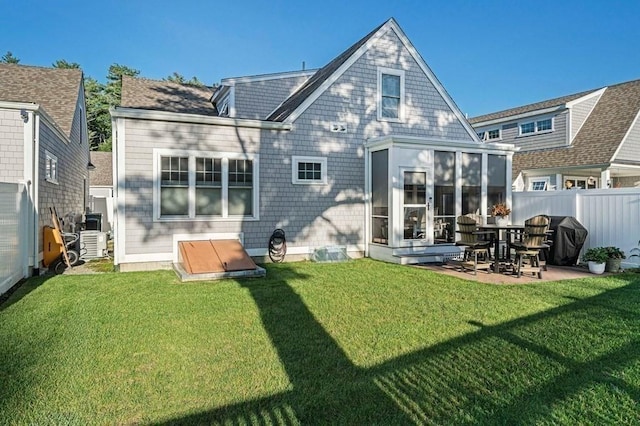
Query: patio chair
(475, 244)
(529, 246)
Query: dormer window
(390, 94)
(538, 126)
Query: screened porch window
(497, 180)
(444, 197)
(380, 197)
(471, 183)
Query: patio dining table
(497, 233)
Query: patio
(553, 273)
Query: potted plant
(596, 258)
(500, 211)
(615, 258)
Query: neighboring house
(368, 152)
(44, 143)
(101, 188)
(585, 140)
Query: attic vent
(339, 127)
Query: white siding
(13, 243)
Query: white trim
(401, 105)
(636, 121)
(537, 179)
(390, 24)
(230, 81)
(192, 154)
(52, 177)
(508, 119)
(442, 144)
(535, 122)
(296, 159)
(176, 117)
(598, 92)
(119, 168)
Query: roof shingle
(166, 96)
(599, 136)
(316, 80)
(102, 175)
(55, 89)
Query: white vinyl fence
(13, 235)
(612, 216)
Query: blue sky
(490, 55)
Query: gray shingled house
(585, 140)
(44, 144)
(369, 153)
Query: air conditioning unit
(93, 244)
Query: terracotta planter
(596, 268)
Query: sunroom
(417, 187)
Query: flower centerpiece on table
(500, 210)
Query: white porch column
(605, 179)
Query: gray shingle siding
(11, 146)
(630, 149)
(70, 194)
(579, 113)
(511, 129)
(311, 215)
(258, 99)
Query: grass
(356, 343)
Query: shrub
(596, 254)
(615, 253)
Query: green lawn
(362, 342)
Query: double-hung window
(390, 94)
(204, 185)
(50, 167)
(309, 170)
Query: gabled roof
(598, 138)
(54, 89)
(556, 102)
(102, 175)
(166, 96)
(299, 96)
(321, 80)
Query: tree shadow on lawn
(515, 372)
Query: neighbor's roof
(598, 138)
(102, 175)
(529, 108)
(54, 89)
(316, 80)
(166, 96)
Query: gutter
(143, 114)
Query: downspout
(36, 198)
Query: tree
(179, 78)
(100, 97)
(8, 58)
(61, 63)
